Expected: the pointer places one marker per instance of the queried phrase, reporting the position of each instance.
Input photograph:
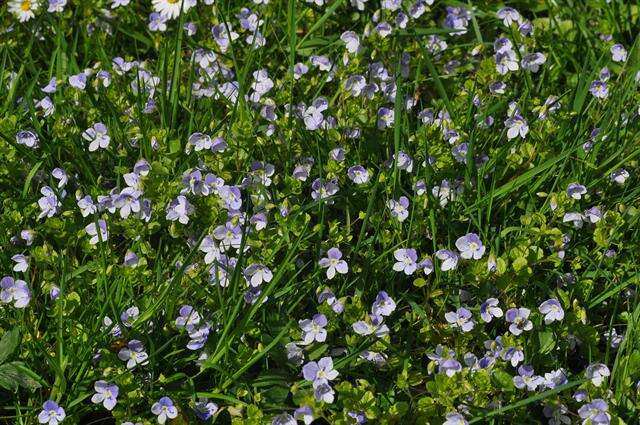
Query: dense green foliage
(203, 202)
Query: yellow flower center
(173, 1)
(25, 6)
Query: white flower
(170, 9)
(118, 3)
(23, 9)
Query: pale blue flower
(552, 311)
(599, 89)
(22, 263)
(446, 361)
(205, 409)
(27, 138)
(526, 379)
(284, 419)
(78, 81)
(129, 316)
(305, 414)
(179, 210)
(51, 413)
(470, 246)
(618, 53)
(509, 15)
(519, 319)
(595, 413)
(313, 329)
(164, 409)
(358, 174)
(555, 378)
(323, 392)
(98, 233)
(455, 419)
(405, 260)
(320, 372)
(400, 208)
(489, 309)
(49, 203)
(461, 319)
(619, 176)
(374, 325)
(351, 41)
(134, 354)
(576, 190)
(118, 3)
(383, 305)
(333, 262)
(597, 373)
(106, 394)
(449, 259)
(533, 61)
(257, 274)
(15, 291)
(97, 136)
(517, 126)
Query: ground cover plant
(319, 211)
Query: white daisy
(23, 9)
(171, 8)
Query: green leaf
(27, 182)
(8, 377)
(419, 311)
(419, 282)
(615, 420)
(174, 146)
(8, 343)
(540, 396)
(277, 393)
(315, 354)
(547, 342)
(317, 24)
(503, 379)
(601, 236)
(16, 374)
(399, 409)
(519, 264)
(564, 297)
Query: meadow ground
(319, 211)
